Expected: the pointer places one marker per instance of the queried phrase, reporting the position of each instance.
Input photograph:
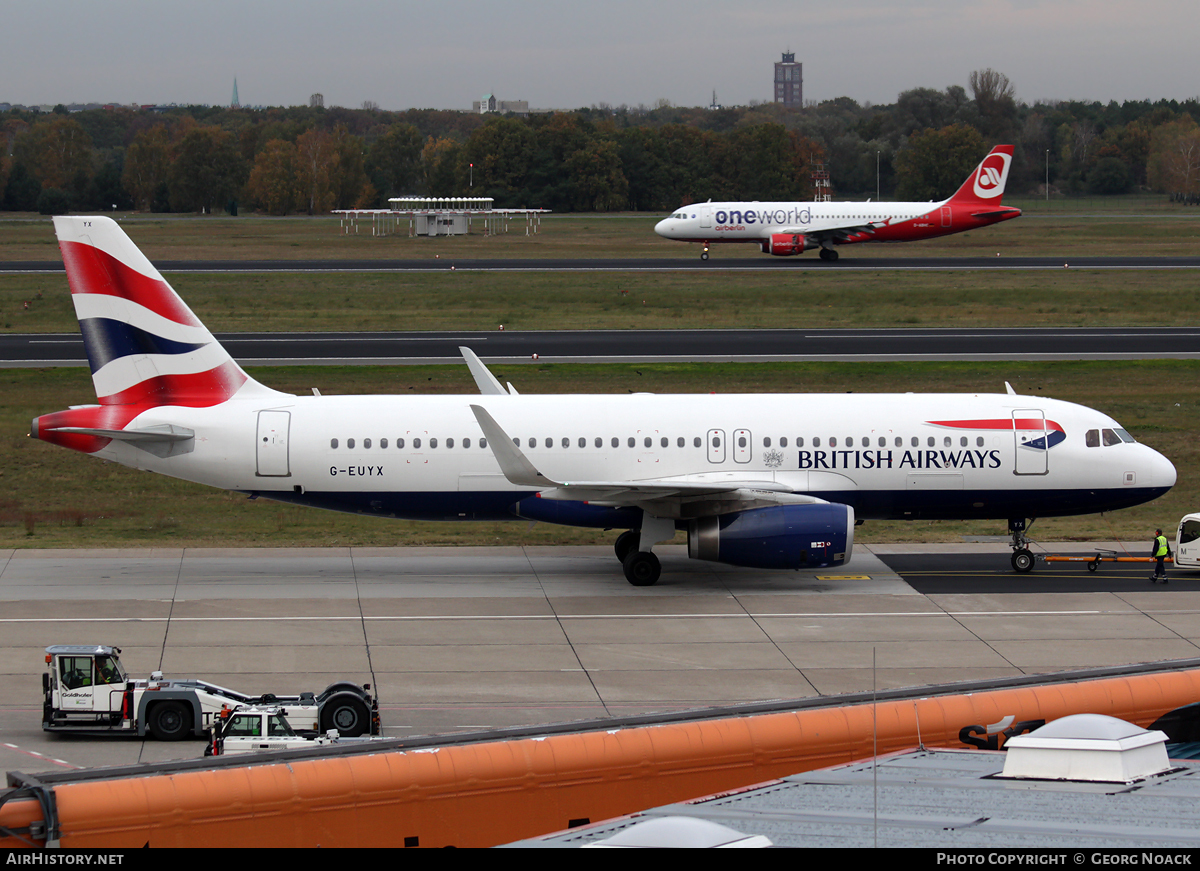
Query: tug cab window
(1189, 531)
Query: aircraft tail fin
(985, 185)
(145, 346)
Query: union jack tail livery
(145, 347)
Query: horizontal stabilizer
(164, 433)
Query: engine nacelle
(785, 244)
(780, 537)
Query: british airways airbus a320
(766, 481)
(784, 229)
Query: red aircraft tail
(985, 185)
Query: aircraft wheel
(1022, 560)
(703, 255)
(642, 569)
(626, 543)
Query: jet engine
(779, 537)
(785, 244)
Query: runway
(645, 346)
(467, 639)
(851, 260)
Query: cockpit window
(1125, 437)
(1110, 437)
(1093, 438)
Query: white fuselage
(894, 455)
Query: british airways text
(910, 460)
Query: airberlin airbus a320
(772, 481)
(784, 229)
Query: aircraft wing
(737, 493)
(848, 233)
(484, 379)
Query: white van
(1187, 542)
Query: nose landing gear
(704, 252)
(1022, 558)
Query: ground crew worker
(1159, 550)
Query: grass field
(50, 497)
(1121, 226)
(58, 498)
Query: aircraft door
(742, 447)
(716, 445)
(706, 217)
(1030, 442)
(272, 445)
(945, 217)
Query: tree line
(601, 158)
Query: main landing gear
(1022, 557)
(829, 254)
(642, 568)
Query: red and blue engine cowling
(786, 244)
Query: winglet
(484, 379)
(514, 464)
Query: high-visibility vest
(1161, 550)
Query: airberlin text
(910, 460)
(789, 216)
(357, 471)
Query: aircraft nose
(1162, 470)
(662, 228)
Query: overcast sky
(565, 55)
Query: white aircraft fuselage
(788, 228)
(767, 481)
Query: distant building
(316, 101)
(489, 103)
(235, 103)
(789, 81)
